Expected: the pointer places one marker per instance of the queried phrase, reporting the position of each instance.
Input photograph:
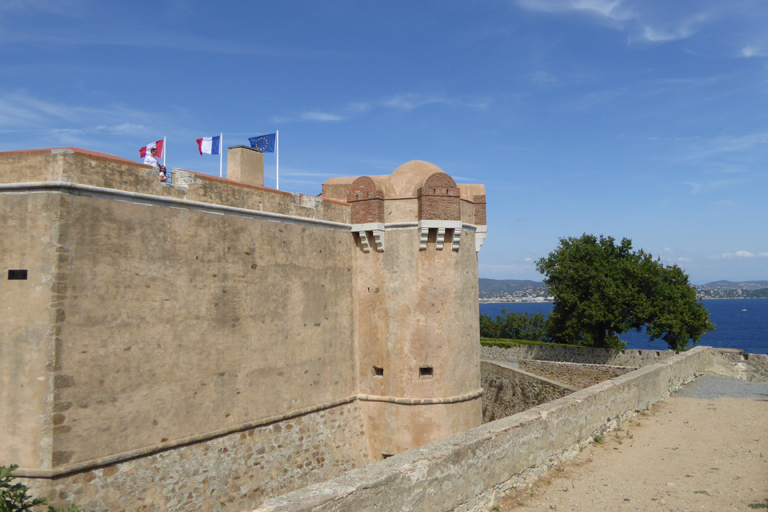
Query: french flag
(209, 145)
(158, 145)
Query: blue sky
(639, 119)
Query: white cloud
(752, 51)
(66, 124)
(320, 116)
(763, 254)
(611, 9)
(667, 249)
(413, 101)
(737, 254)
(644, 21)
(403, 102)
(528, 260)
(654, 35)
(683, 260)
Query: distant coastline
(542, 301)
(525, 291)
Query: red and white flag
(157, 145)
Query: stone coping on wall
(74, 165)
(469, 471)
(171, 202)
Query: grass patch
(598, 439)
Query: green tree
(602, 289)
(514, 326)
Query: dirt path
(685, 454)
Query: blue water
(739, 323)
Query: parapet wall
(507, 391)
(577, 375)
(570, 354)
(468, 471)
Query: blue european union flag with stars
(263, 143)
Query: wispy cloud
(752, 51)
(401, 102)
(412, 101)
(66, 124)
(737, 254)
(706, 148)
(644, 21)
(320, 116)
(611, 9)
(87, 33)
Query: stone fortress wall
(211, 343)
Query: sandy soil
(684, 454)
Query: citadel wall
(208, 344)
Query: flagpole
(277, 159)
(221, 153)
(165, 150)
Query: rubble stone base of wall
(230, 472)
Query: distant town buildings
(716, 290)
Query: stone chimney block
(245, 165)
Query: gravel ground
(710, 387)
(703, 449)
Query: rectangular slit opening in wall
(378, 371)
(17, 275)
(426, 372)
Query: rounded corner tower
(417, 335)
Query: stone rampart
(508, 391)
(570, 354)
(468, 471)
(577, 375)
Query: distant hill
(489, 287)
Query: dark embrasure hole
(17, 275)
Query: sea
(739, 323)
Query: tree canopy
(602, 289)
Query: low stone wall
(509, 391)
(469, 471)
(234, 471)
(750, 367)
(569, 354)
(576, 375)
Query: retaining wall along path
(468, 471)
(571, 354)
(577, 375)
(508, 391)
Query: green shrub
(16, 498)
